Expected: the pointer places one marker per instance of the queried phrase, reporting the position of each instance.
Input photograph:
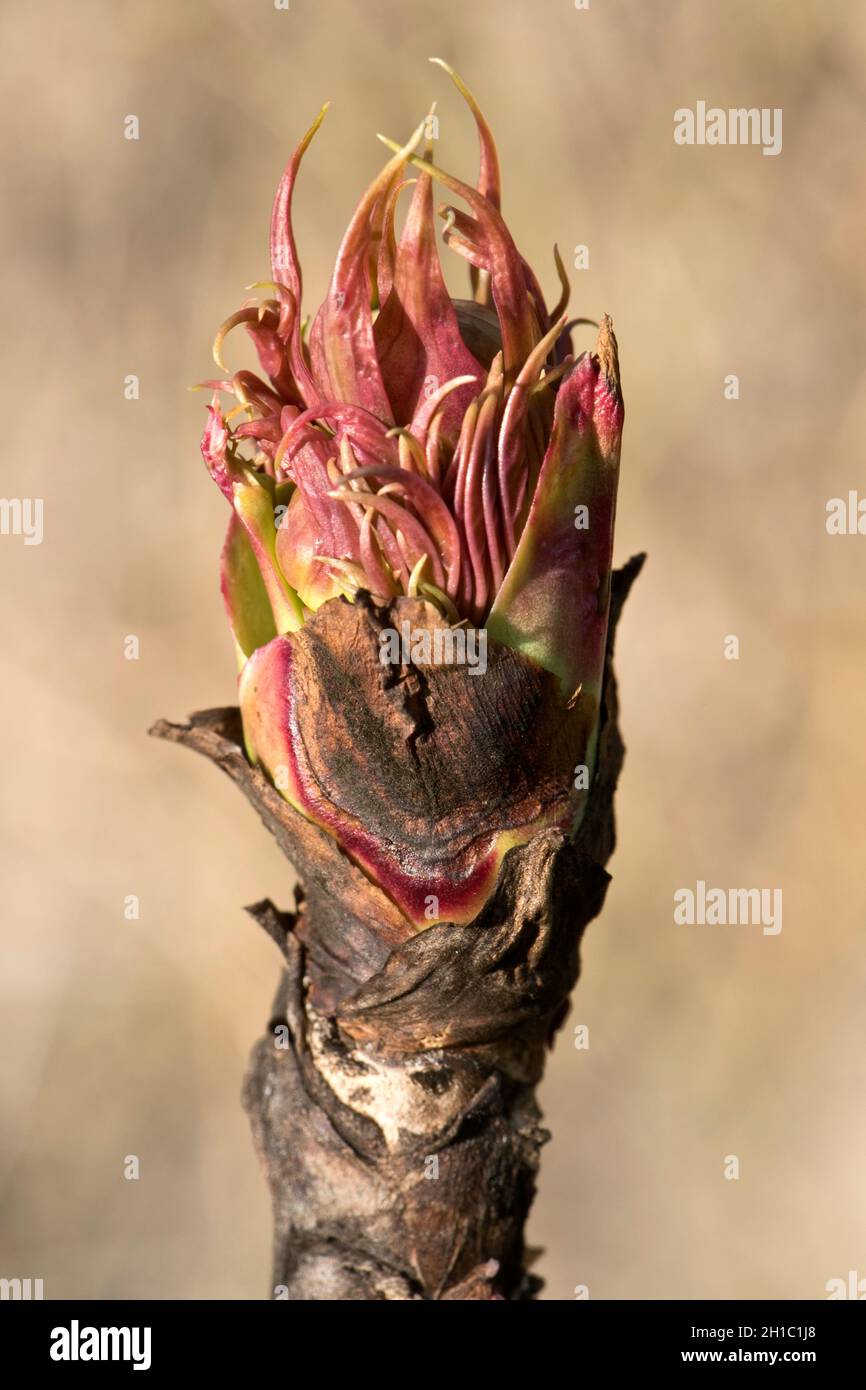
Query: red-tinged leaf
(251, 494)
(489, 183)
(417, 336)
(342, 342)
(285, 264)
(416, 537)
(554, 602)
(430, 506)
(518, 324)
(513, 451)
(299, 546)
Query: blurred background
(124, 1037)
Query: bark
(392, 1097)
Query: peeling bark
(392, 1098)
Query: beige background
(123, 1037)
